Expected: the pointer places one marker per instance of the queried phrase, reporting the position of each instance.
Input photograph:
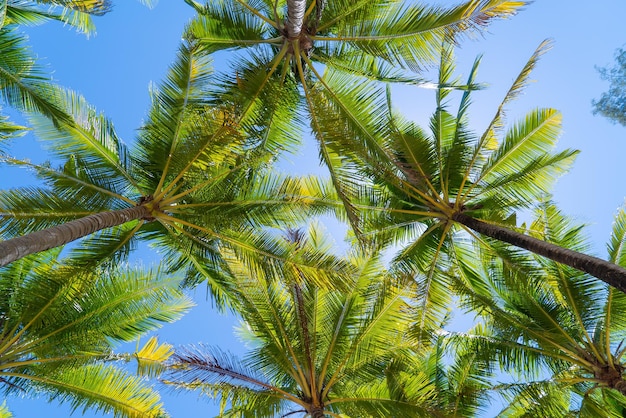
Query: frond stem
(178, 127)
(39, 168)
(169, 200)
(258, 14)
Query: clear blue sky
(134, 46)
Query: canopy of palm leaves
(546, 318)
(191, 181)
(427, 184)
(59, 326)
(355, 41)
(328, 346)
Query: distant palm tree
(333, 345)
(285, 43)
(543, 318)
(429, 185)
(59, 325)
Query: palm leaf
(4, 411)
(92, 137)
(152, 357)
(411, 35)
(226, 24)
(102, 388)
(23, 83)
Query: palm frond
(152, 356)
(5, 412)
(107, 247)
(76, 13)
(527, 140)
(226, 24)
(9, 130)
(342, 58)
(614, 325)
(411, 35)
(27, 209)
(205, 365)
(538, 399)
(88, 143)
(521, 82)
(163, 132)
(23, 83)
(102, 388)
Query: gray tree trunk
(608, 272)
(16, 248)
(295, 18)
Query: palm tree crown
(546, 318)
(191, 182)
(356, 42)
(318, 349)
(427, 184)
(59, 326)
(335, 344)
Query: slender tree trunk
(608, 272)
(295, 17)
(16, 248)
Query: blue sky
(134, 46)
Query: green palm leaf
(102, 388)
(4, 411)
(9, 130)
(23, 83)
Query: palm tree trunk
(16, 248)
(295, 17)
(317, 412)
(608, 272)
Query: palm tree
(192, 181)
(427, 185)
(317, 350)
(543, 318)
(284, 42)
(59, 326)
(333, 345)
